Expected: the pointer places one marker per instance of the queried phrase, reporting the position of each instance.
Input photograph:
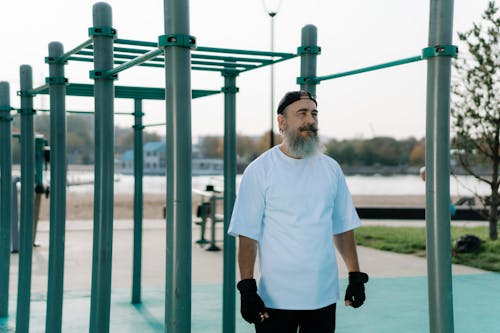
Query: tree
(211, 146)
(377, 151)
(124, 138)
(264, 141)
(246, 148)
(475, 107)
(417, 154)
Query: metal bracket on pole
(55, 60)
(229, 72)
(177, 40)
(25, 93)
(230, 89)
(440, 51)
(311, 49)
(103, 31)
(99, 74)
(56, 80)
(6, 116)
(138, 114)
(308, 80)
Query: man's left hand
(355, 292)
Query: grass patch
(410, 240)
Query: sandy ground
(79, 206)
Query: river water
(358, 185)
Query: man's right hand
(253, 308)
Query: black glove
(252, 306)
(355, 291)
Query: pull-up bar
(149, 93)
(144, 53)
(428, 52)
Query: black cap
(293, 96)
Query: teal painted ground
(393, 305)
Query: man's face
(300, 117)
(299, 126)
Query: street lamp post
(272, 7)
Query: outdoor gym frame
(180, 56)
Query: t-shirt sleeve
(249, 206)
(345, 217)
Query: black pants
(305, 321)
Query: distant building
(155, 161)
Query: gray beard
(301, 147)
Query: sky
(352, 34)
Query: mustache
(313, 128)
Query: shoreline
(79, 206)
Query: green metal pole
(179, 211)
(27, 200)
(272, 14)
(138, 201)
(39, 188)
(308, 59)
(5, 195)
(104, 171)
(55, 289)
(229, 275)
(371, 68)
(437, 156)
(39, 148)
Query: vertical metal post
(39, 188)
(229, 274)
(308, 54)
(104, 169)
(179, 210)
(57, 91)
(5, 195)
(27, 200)
(14, 230)
(138, 201)
(271, 133)
(437, 156)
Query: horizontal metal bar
(221, 64)
(152, 65)
(125, 50)
(81, 59)
(271, 62)
(136, 61)
(212, 69)
(40, 89)
(370, 68)
(247, 52)
(86, 53)
(68, 54)
(86, 112)
(135, 42)
(128, 56)
(82, 112)
(152, 125)
(129, 50)
(231, 59)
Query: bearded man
(293, 206)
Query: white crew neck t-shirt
(292, 208)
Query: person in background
(293, 206)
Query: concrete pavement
(207, 266)
(397, 291)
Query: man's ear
(281, 121)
